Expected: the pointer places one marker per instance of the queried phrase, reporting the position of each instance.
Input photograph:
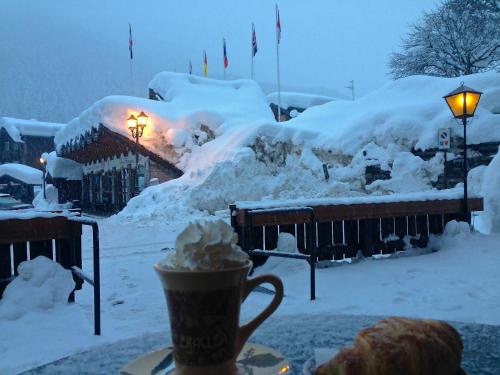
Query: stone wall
(477, 154)
(159, 172)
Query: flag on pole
(278, 25)
(226, 61)
(130, 41)
(254, 41)
(205, 64)
(190, 67)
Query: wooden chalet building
(24, 141)
(20, 181)
(110, 177)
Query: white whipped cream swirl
(206, 245)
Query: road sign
(444, 138)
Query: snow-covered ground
(456, 283)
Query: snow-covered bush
(287, 243)
(457, 228)
(41, 285)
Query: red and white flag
(278, 25)
(226, 61)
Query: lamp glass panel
(142, 119)
(456, 104)
(471, 101)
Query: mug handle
(246, 330)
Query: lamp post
(136, 126)
(463, 103)
(43, 161)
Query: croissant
(400, 346)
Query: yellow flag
(205, 64)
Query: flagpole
(278, 63)
(131, 59)
(131, 79)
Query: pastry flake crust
(400, 346)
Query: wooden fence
(344, 229)
(56, 237)
(340, 231)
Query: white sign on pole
(444, 139)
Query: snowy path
(293, 336)
(458, 283)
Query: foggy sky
(59, 56)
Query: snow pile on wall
(41, 285)
(18, 127)
(263, 161)
(22, 173)
(52, 201)
(409, 173)
(298, 99)
(63, 168)
(408, 112)
(491, 193)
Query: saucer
(254, 359)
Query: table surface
(294, 336)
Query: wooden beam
(359, 211)
(36, 229)
(279, 218)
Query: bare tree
(460, 37)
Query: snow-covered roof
(189, 101)
(22, 173)
(408, 111)
(239, 100)
(298, 99)
(18, 127)
(63, 168)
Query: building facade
(24, 141)
(20, 181)
(112, 172)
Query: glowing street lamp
(136, 126)
(463, 103)
(43, 161)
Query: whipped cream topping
(206, 245)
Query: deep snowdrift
(491, 193)
(407, 112)
(252, 160)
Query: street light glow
(463, 101)
(132, 121)
(142, 119)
